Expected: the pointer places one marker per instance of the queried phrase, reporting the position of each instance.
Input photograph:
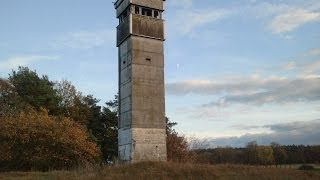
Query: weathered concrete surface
(142, 128)
(140, 25)
(143, 144)
(147, 26)
(149, 144)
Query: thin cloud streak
(236, 85)
(292, 19)
(257, 90)
(16, 61)
(192, 19)
(314, 52)
(279, 18)
(85, 39)
(285, 133)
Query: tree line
(254, 154)
(48, 124)
(51, 125)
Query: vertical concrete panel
(125, 152)
(125, 136)
(121, 5)
(125, 76)
(125, 119)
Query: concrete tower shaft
(140, 37)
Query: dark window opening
(148, 59)
(124, 62)
(137, 10)
(146, 12)
(156, 14)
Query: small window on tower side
(137, 10)
(156, 14)
(146, 12)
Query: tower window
(156, 14)
(146, 12)
(137, 10)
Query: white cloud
(304, 89)
(252, 90)
(292, 19)
(284, 16)
(311, 68)
(187, 21)
(281, 17)
(314, 52)
(85, 39)
(267, 9)
(233, 85)
(306, 132)
(14, 62)
(290, 65)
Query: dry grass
(151, 170)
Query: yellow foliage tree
(35, 140)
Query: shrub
(35, 140)
(306, 167)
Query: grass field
(149, 170)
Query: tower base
(142, 144)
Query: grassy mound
(152, 170)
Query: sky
(235, 71)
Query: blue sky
(235, 71)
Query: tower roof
(118, 2)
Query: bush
(306, 167)
(36, 141)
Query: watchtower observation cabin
(140, 38)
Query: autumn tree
(251, 153)
(36, 140)
(177, 145)
(265, 155)
(101, 122)
(279, 153)
(73, 103)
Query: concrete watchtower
(140, 37)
